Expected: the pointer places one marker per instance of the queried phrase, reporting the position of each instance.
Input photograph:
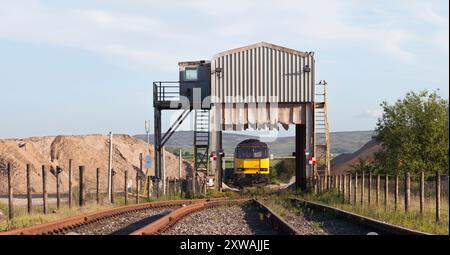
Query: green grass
(425, 222)
(23, 219)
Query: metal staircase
(321, 130)
(201, 140)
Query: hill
(341, 142)
(344, 162)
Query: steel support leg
(300, 157)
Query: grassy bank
(425, 222)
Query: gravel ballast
(310, 222)
(222, 220)
(123, 224)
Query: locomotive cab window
(190, 74)
(254, 152)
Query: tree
(414, 134)
(283, 170)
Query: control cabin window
(190, 74)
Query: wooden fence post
(344, 186)
(44, 189)
(315, 184)
(58, 195)
(438, 196)
(113, 196)
(362, 187)
(386, 190)
(396, 192)
(97, 186)
(167, 186)
(29, 200)
(377, 190)
(331, 182)
(10, 194)
(339, 184)
(356, 189)
(350, 180)
(125, 188)
(137, 178)
(157, 187)
(324, 183)
(422, 191)
(81, 186)
(70, 183)
(407, 191)
(175, 187)
(319, 182)
(369, 192)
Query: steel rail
(165, 223)
(63, 225)
(381, 226)
(277, 222)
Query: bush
(283, 170)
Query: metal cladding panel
(262, 72)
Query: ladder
(201, 140)
(321, 130)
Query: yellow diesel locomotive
(251, 163)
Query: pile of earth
(91, 151)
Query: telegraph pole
(110, 166)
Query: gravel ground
(222, 220)
(123, 224)
(310, 222)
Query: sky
(87, 66)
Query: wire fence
(426, 196)
(78, 191)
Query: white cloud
(370, 114)
(152, 38)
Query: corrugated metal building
(262, 72)
(260, 86)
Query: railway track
(372, 225)
(214, 216)
(242, 216)
(119, 220)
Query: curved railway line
(118, 219)
(194, 219)
(212, 216)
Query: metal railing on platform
(165, 92)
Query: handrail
(165, 91)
